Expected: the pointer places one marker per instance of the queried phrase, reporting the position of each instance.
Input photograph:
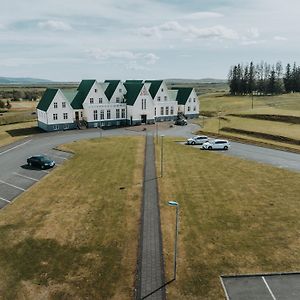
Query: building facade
(114, 103)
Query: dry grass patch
(235, 217)
(74, 235)
(14, 132)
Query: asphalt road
(15, 178)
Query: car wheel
(193, 143)
(210, 148)
(225, 147)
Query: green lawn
(281, 104)
(236, 217)
(74, 235)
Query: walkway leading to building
(150, 265)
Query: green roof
(134, 81)
(83, 90)
(69, 94)
(173, 94)
(47, 98)
(183, 95)
(154, 87)
(133, 90)
(112, 85)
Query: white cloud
(202, 15)
(279, 38)
(254, 32)
(111, 55)
(55, 25)
(191, 31)
(151, 58)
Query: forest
(263, 79)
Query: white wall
(164, 102)
(119, 92)
(192, 104)
(136, 111)
(59, 99)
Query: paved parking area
(279, 286)
(24, 177)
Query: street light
(176, 204)
(162, 156)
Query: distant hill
(22, 80)
(195, 81)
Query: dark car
(40, 161)
(181, 122)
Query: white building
(113, 103)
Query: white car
(197, 140)
(216, 144)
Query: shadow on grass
(24, 131)
(45, 261)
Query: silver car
(197, 140)
(216, 145)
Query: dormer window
(91, 100)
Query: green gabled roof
(83, 90)
(69, 94)
(154, 86)
(112, 85)
(133, 90)
(173, 95)
(47, 98)
(183, 95)
(133, 81)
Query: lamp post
(156, 126)
(219, 116)
(176, 204)
(162, 156)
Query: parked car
(216, 144)
(181, 122)
(197, 140)
(40, 161)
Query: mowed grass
(14, 132)
(216, 102)
(74, 235)
(236, 217)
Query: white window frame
(117, 113)
(108, 114)
(100, 100)
(162, 111)
(65, 116)
(55, 117)
(91, 100)
(95, 115)
(63, 104)
(123, 113)
(55, 104)
(102, 114)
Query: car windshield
(44, 158)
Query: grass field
(236, 217)
(14, 132)
(74, 235)
(215, 105)
(281, 104)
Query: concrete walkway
(150, 265)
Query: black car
(40, 161)
(181, 122)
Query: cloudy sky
(68, 40)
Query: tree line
(263, 79)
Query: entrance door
(144, 119)
(76, 115)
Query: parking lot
(24, 177)
(279, 286)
